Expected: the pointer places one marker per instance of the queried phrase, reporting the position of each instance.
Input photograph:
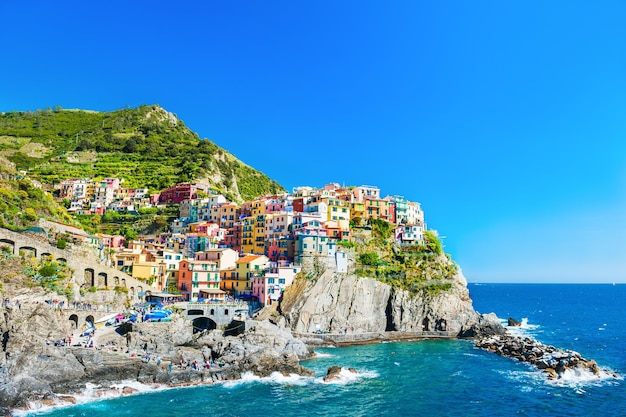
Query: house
(199, 280)
(409, 234)
(226, 214)
(310, 240)
(268, 287)
(180, 192)
(239, 283)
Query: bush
(369, 258)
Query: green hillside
(22, 202)
(146, 146)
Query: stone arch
(426, 324)
(90, 319)
(9, 243)
(226, 312)
(116, 281)
(212, 311)
(74, 320)
(123, 282)
(45, 256)
(196, 312)
(62, 261)
(131, 291)
(203, 323)
(90, 277)
(28, 250)
(103, 280)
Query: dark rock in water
(332, 373)
(513, 323)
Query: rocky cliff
(334, 302)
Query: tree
(433, 244)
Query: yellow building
(239, 281)
(253, 228)
(338, 209)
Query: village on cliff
(252, 251)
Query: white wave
(525, 329)
(579, 377)
(348, 377)
(576, 379)
(318, 355)
(91, 393)
(274, 378)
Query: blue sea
(430, 377)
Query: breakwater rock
(553, 361)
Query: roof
(212, 291)
(248, 258)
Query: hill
(23, 201)
(146, 146)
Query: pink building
(269, 287)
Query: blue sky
(506, 120)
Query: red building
(179, 192)
(233, 238)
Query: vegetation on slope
(146, 146)
(413, 268)
(22, 202)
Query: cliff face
(334, 302)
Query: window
(270, 280)
(281, 280)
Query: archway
(90, 320)
(28, 251)
(45, 256)
(8, 243)
(116, 281)
(203, 323)
(74, 320)
(90, 277)
(62, 261)
(425, 324)
(103, 280)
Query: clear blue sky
(505, 119)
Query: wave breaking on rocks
(557, 364)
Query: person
(171, 366)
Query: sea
(427, 377)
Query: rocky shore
(33, 370)
(553, 361)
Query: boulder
(513, 323)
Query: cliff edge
(324, 300)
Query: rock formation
(32, 368)
(344, 303)
(555, 362)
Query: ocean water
(429, 377)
